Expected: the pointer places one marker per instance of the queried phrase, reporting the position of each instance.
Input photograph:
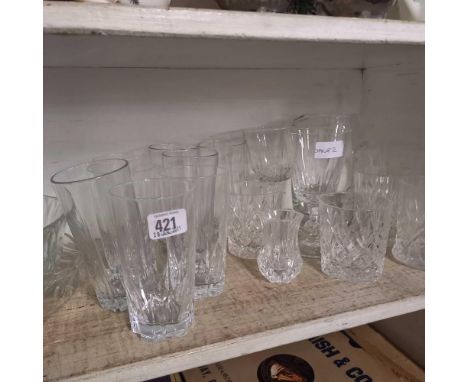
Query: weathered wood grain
(111, 19)
(84, 342)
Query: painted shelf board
(111, 19)
(82, 342)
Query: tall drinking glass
(248, 201)
(139, 161)
(232, 150)
(82, 191)
(409, 245)
(321, 151)
(155, 233)
(353, 236)
(199, 156)
(269, 151)
(211, 225)
(156, 150)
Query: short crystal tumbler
(409, 244)
(279, 260)
(82, 191)
(210, 225)
(248, 201)
(155, 229)
(353, 236)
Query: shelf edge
(111, 19)
(153, 368)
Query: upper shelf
(82, 342)
(106, 19)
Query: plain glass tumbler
(156, 150)
(353, 236)
(248, 201)
(199, 156)
(155, 233)
(139, 162)
(321, 151)
(409, 244)
(233, 154)
(279, 260)
(83, 194)
(210, 224)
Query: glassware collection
(152, 226)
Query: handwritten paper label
(326, 150)
(167, 224)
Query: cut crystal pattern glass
(60, 268)
(279, 260)
(158, 271)
(211, 225)
(353, 236)
(248, 201)
(83, 194)
(409, 245)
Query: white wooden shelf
(100, 35)
(82, 342)
(105, 19)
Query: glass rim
(182, 146)
(239, 141)
(53, 179)
(173, 153)
(265, 129)
(379, 207)
(112, 193)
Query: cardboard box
(335, 357)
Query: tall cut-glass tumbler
(156, 237)
(409, 244)
(82, 191)
(210, 225)
(353, 236)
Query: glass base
(162, 332)
(242, 251)
(280, 275)
(116, 304)
(415, 261)
(208, 290)
(369, 272)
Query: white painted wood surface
(83, 18)
(90, 111)
(82, 342)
